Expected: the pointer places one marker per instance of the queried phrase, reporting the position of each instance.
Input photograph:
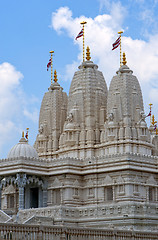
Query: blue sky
(30, 29)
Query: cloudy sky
(30, 29)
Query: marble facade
(96, 160)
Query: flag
(80, 34)
(149, 114)
(49, 64)
(116, 43)
(26, 135)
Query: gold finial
(22, 134)
(156, 131)
(124, 59)
(153, 120)
(120, 32)
(88, 54)
(83, 23)
(51, 52)
(55, 76)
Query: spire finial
(55, 76)
(153, 120)
(22, 134)
(124, 59)
(88, 54)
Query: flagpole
(51, 52)
(150, 104)
(83, 23)
(120, 48)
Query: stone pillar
(27, 197)
(45, 193)
(0, 191)
(0, 195)
(121, 133)
(40, 195)
(21, 197)
(21, 182)
(114, 195)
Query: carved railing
(37, 232)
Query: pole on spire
(120, 32)
(150, 104)
(51, 52)
(83, 23)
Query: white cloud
(14, 105)
(10, 90)
(33, 116)
(9, 77)
(100, 33)
(70, 69)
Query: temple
(94, 162)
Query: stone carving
(142, 117)
(56, 182)
(70, 117)
(151, 180)
(41, 129)
(21, 180)
(111, 117)
(8, 180)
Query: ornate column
(21, 180)
(21, 197)
(45, 193)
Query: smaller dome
(22, 149)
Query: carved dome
(22, 149)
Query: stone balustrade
(37, 232)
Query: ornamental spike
(55, 76)
(124, 59)
(88, 57)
